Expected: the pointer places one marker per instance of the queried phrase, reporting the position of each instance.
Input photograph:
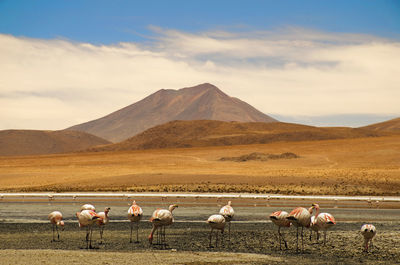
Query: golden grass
(350, 166)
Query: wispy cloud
(52, 84)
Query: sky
(325, 63)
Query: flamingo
(216, 221)
(227, 212)
(368, 231)
(102, 221)
(56, 221)
(86, 219)
(300, 217)
(88, 207)
(280, 220)
(321, 221)
(161, 218)
(135, 213)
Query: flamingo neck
(316, 211)
(171, 208)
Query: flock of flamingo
(300, 217)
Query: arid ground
(364, 166)
(251, 243)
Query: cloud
(53, 84)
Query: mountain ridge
(201, 102)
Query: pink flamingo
(161, 218)
(56, 221)
(321, 221)
(102, 221)
(87, 218)
(300, 217)
(228, 213)
(280, 220)
(135, 213)
(216, 221)
(368, 231)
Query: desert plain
(361, 166)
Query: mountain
(386, 126)
(178, 134)
(202, 102)
(36, 142)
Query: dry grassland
(350, 166)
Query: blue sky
(314, 62)
(115, 21)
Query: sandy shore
(252, 243)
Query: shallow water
(27, 210)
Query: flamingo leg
(216, 239)
(279, 236)
(87, 237)
(324, 237)
(52, 225)
(302, 245)
(58, 234)
(130, 241)
(90, 237)
(137, 232)
(158, 236)
(87, 233)
(210, 238)
(162, 236)
(222, 238)
(297, 237)
(229, 233)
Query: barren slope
(193, 103)
(36, 142)
(177, 134)
(386, 126)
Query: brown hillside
(36, 142)
(386, 126)
(359, 166)
(177, 134)
(202, 102)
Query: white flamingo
(300, 217)
(88, 207)
(321, 221)
(86, 219)
(228, 213)
(217, 222)
(161, 218)
(56, 221)
(135, 213)
(368, 231)
(102, 221)
(279, 218)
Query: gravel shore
(251, 243)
